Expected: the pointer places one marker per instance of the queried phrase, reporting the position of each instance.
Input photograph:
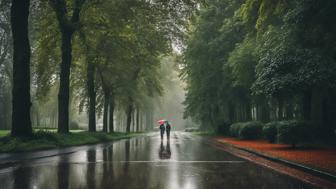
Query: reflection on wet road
(186, 161)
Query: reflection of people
(162, 130)
(168, 127)
(164, 152)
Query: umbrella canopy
(162, 121)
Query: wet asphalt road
(186, 162)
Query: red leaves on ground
(323, 159)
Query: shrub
(270, 131)
(235, 129)
(247, 130)
(294, 132)
(251, 130)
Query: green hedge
(247, 130)
(295, 132)
(270, 131)
(235, 129)
(251, 130)
(288, 132)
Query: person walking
(168, 127)
(162, 129)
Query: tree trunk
(129, 112)
(67, 27)
(63, 94)
(137, 120)
(111, 110)
(231, 110)
(21, 121)
(265, 111)
(306, 105)
(317, 107)
(106, 106)
(248, 115)
(280, 108)
(289, 109)
(92, 97)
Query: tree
(21, 123)
(67, 25)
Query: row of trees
(105, 55)
(262, 60)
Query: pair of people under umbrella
(164, 127)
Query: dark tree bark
(92, 96)
(21, 121)
(106, 107)
(111, 116)
(265, 111)
(129, 112)
(64, 89)
(248, 114)
(306, 105)
(316, 113)
(231, 110)
(107, 94)
(137, 120)
(67, 27)
(280, 115)
(289, 109)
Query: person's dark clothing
(168, 127)
(162, 130)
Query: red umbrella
(162, 121)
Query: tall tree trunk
(64, 89)
(265, 111)
(306, 105)
(137, 120)
(248, 111)
(92, 97)
(111, 110)
(21, 121)
(106, 106)
(318, 95)
(289, 109)
(280, 108)
(67, 27)
(231, 110)
(129, 112)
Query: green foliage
(270, 131)
(235, 129)
(251, 130)
(207, 48)
(247, 130)
(295, 132)
(240, 51)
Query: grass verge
(4, 133)
(47, 140)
